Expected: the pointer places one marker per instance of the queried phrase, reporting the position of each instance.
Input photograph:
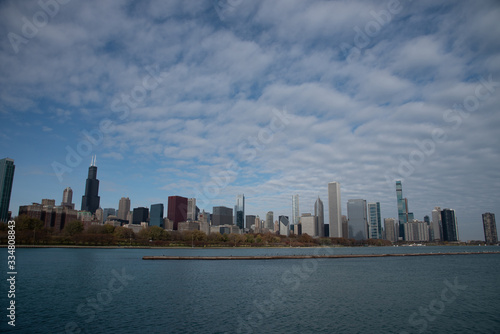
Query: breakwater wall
(284, 257)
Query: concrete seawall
(284, 257)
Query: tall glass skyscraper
(191, 210)
(91, 199)
(239, 211)
(490, 228)
(295, 209)
(320, 213)
(270, 220)
(334, 210)
(449, 222)
(356, 215)
(374, 221)
(156, 215)
(402, 209)
(7, 168)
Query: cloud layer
(210, 99)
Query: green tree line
(31, 231)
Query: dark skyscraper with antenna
(90, 201)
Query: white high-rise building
(309, 224)
(334, 210)
(320, 213)
(436, 223)
(295, 209)
(191, 209)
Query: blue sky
(210, 99)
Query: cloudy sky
(210, 99)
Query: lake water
(115, 291)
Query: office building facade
(319, 212)
(249, 221)
(7, 169)
(239, 212)
(390, 230)
(270, 220)
(334, 210)
(295, 209)
(309, 225)
(53, 217)
(490, 228)
(450, 226)
(156, 215)
(67, 200)
(191, 209)
(402, 209)
(374, 221)
(177, 209)
(140, 215)
(91, 199)
(284, 225)
(123, 208)
(222, 215)
(106, 212)
(357, 219)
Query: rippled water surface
(115, 291)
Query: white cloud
(221, 80)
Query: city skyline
(269, 99)
(362, 217)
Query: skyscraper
(270, 220)
(222, 215)
(295, 209)
(334, 210)
(191, 210)
(436, 225)
(140, 215)
(402, 208)
(239, 211)
(309, 225)
(374, 221)
(449, 222)
(320, 213)
(250, 220)
(106, 212)
(490, 228)
(91, 199)
(390, 229)
(7, 168)
(284, 225)
(177, 209)
(123, 208)
(156, 215)
(356, 215)
(67, 200)
(345, 227)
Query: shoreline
(225, 247)
(286, 257)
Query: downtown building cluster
(363, 220)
